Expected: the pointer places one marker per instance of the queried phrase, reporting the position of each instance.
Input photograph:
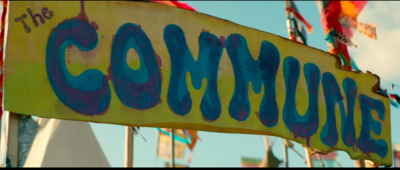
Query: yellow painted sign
(152, 65)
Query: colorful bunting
(297, 31)
(338, 18)
(178, 138)
(394, 98)
(164, 145)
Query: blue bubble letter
(206, 66)
(306, 125)
(259, 72)
(140, 88)
(365, 143)
(87, 93)
(329, 134)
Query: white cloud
(381, 56)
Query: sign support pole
(285, 153)
(128, 147)
(12, 135)
(172, 148)
(359, 163)
(292, 37)
(264, 162)
(308, 157)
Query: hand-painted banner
(152, 65)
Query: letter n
(306, 125)
(333, 96)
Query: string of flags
(297, 32)
(339, 19)
(394, 98)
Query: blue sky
(225, 150)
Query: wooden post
(285, 153)
(359, 163)
(308, 158)
(128, 147)
(320, 161)
(264, 162)
(12, 135)
(172, 148)
(370, 164)
(290, 32)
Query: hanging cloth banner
(188, 137)
(164, 146)
(146, 64)
(177, 137)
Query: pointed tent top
(65, 143)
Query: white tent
(65, 143)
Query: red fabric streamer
(340, 17)
(2, 29)
(176, 4)
(330, 15)
(308, 25)
(183, 5)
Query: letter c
(87, 93)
